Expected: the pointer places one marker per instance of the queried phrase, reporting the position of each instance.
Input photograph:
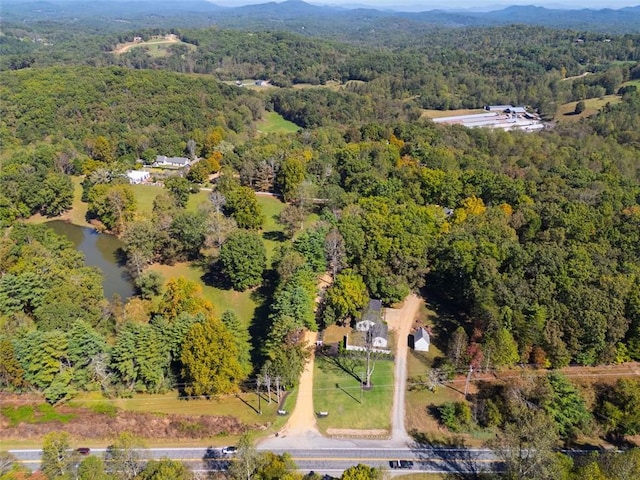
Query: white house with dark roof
(164, 161)
(421, 340)
(371, 322)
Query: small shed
(421, 340)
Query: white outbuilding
(137, 176)
(421, 340)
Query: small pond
(100, 250)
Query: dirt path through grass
(303, 418)
(400, 321)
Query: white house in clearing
(137, 176)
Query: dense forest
(532, 239)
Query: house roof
(373, 312)
(421, 334)
(172, 160)
(137, 174)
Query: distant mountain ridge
(297, 15)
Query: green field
(339, 393)
(274, 123)
(243, 406)
(145, 195)
(592, 106)
(631, 82)
(239, 302)
(159, 47)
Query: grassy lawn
(592, 106)
(240, 302)
(273, 122)
(338, 393)
(145, 195)
(271, 208)
(420, 403)
(631, 82)
(244, 406)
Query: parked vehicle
(406, 464)
(401, 464)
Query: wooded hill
(532, 239)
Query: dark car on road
(401, 464)
(406, 464)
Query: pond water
(100, 250)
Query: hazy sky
(449, 4)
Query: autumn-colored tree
(362, 472)
(210, 359)
(182, 296)
(11, 372)
(102, 149)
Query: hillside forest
(532, 240)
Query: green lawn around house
(145, 195)
(336, 391)
(273, 122)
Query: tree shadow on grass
(345, 364)
(275, 236)
(261, 323)
(214, 277)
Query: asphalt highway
(435, 460)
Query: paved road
(324, 460)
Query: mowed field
(272, 122)
(451, 113)
(592, 106)
(156, 47)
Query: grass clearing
(338, 392)
(273, 122)
(592, 106)
(240, 302)
(43, 413)
(243, 406)
(451, 113)
(145, 195)
(635, 83)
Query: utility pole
(466, 385)
(361, 387)
(258, 392)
